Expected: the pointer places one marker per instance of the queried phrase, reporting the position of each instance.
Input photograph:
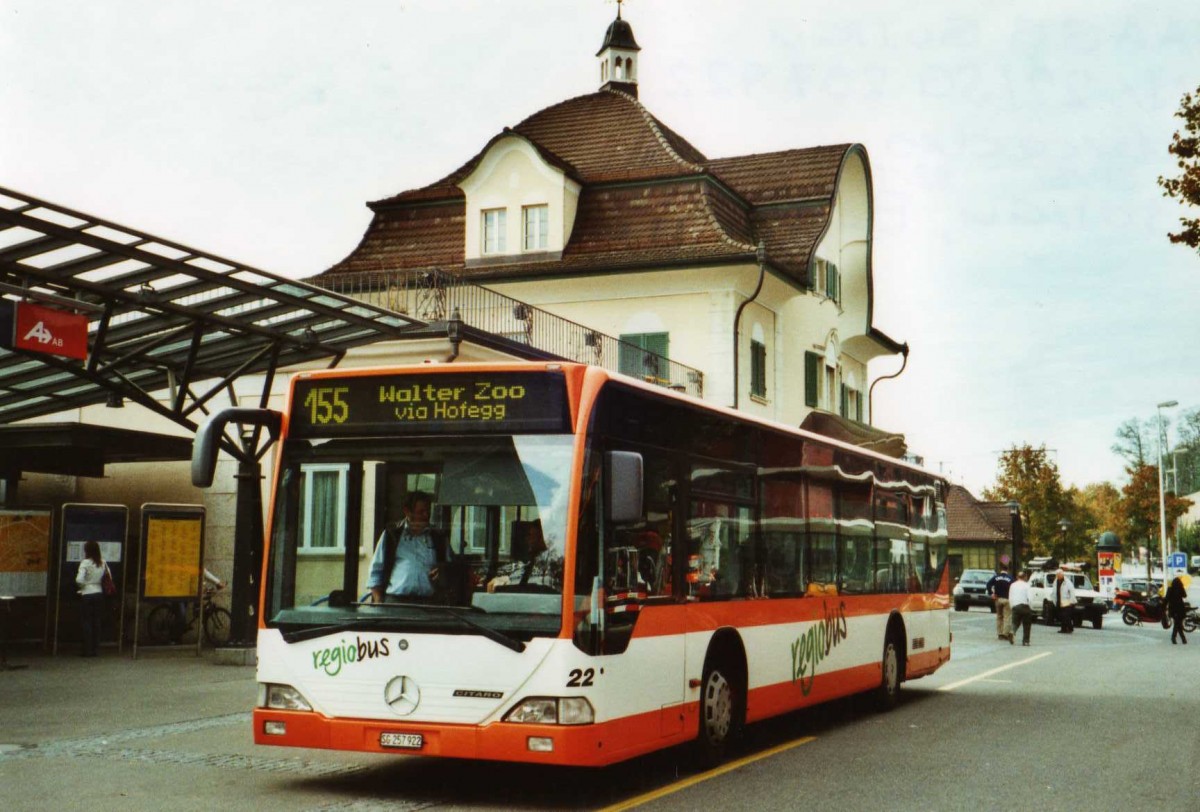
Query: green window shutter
(758, 369)
(832, 280)
(812, 367)
(844, 398)
(637, 353)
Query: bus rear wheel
(720, 713)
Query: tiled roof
(648, 197)
(610, 136)
(791, 234)
(966, 518)
(410, 238)
(776, 177)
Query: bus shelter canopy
(160, 317)
(78, 449)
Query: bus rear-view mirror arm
(208, 438)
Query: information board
(173, 550)
(105, 524)
(508, 402)
(24, 552)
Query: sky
(1020, 241)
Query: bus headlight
(542, 710)
(281, 697)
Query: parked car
(971, 590)
(1089, 604)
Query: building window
(758, 369)
(323, 508)
(826, 279)
(537, 227)
(643, 355)
(833, 282)
(495, 225)
(812, 372)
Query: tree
(1187, 538)
(1027, 475)
(1103, 501)
(1139, 508)
(1134, 442)
(1185, 146)
(1185, 457)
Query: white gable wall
(510, 176)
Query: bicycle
(164, 624)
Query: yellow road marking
(670, 789)
(987, 674)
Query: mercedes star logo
(402, 695)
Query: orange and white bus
(698, 569)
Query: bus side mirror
(624, 486)
(208, 438)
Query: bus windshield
(497, 519)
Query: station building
(590, 231)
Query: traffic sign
(1177, 561)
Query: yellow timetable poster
(173, 557)
(24, 552)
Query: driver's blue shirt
(415, 556)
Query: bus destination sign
(504, 402)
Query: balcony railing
(431, 296)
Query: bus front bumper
(543, 744)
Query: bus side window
(783, 542)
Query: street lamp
(1162, 497)
(1063, 527)
(1014, 514)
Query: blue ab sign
(1177, 561)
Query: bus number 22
(581, 679)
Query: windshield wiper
(491, 634)
(310, 632)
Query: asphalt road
(1097, 720)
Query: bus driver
(405, 564)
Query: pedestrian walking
(1177, 609)
(1022, 611)
(998, 588)
(1064, 602)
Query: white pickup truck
(1089, 604)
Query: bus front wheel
(720, 713)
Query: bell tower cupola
(618, 57)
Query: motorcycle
(1191, 621)
(1152, 609)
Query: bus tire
(887, 695)
(722, 712)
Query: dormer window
(519, 207)
(494, 225)
(536, 227)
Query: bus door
(642, 617)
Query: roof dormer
(618, 58)
(520, 205)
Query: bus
(696, 570)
